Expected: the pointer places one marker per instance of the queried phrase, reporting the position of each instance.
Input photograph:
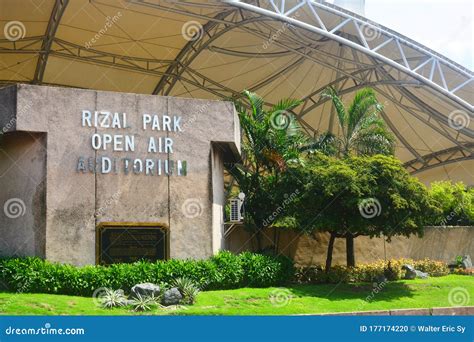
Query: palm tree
(272, 140)
(363, 132)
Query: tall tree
(370, 196)
(362, 132)
(272, 141)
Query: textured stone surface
(171, 297)
(75, 203)
(410, 312)
(421, 275)
(22, 194)
(410, 272)
(145, 290)
(189, 204)
(438, 244)
(454, 310)
(466, 261)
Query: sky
(445, 26)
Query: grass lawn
(295, 299)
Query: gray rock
(421, 275)
(379, 279)
(171, 297)
(129, 302)
(145, 290)
(466, 262)
(410, 271)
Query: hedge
(222, 271)
(369, 272)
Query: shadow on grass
(390, 291)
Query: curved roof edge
(437, 61)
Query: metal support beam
(440, 158)
(57, 13)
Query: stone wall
(65, 213)
(438, 243)
(22, 188)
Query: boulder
(171, 297)
(145, 290)
(379, 279)
(410, 271)
(422, 275)
(466, 262)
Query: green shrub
(392, 270)
(229, 271)
(222, 271)
(112, 299)
(263, 270)
(187, 288)
(432, 267)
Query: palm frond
(331, 93)
(363, 104)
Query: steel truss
(443, 157)
(426, 69)
(438, 65)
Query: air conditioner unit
(235, 210)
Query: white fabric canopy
(278, 49)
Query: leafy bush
(456, 202)
(464, 271)
(144, 303)
(112, 298)
(222, 271)
(264, 270)
(368, 272)
(187, 288)
(432, 267)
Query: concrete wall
(77, 202)
(218, 202)
(22, 194)
(438, 243)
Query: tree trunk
(277, 240)
(329, 253)
(258, 237)
(350, 257)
